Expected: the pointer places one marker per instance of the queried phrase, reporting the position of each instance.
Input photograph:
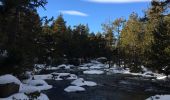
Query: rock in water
(8, 89)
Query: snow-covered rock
(97, 66)
(5, 79)
(161, 77)
(37, 82)
(41, 66)
(63, 66)
(43, 97)
(83, 68)
(34, 86)
(81, 82)
(43, 77)
(72, 77)
(90, 83)
(52, 68)
(159, 97)
(116, 70)
(74, 89)
(17, 96)
(87, 65)
(93, 72)
(22, 96)
(78, 82)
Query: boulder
(8, 89)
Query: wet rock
(8, 89)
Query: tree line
(26, 39)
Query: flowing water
(110, 87)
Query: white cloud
(73, 12)
(117, 1)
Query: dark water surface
(110, 87)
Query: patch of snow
(17, 96)
(37, 82)
(41, 66)
(5, 79)
(72, 77)
(78, 82)
(58, 78)
(97, 66)
(159, 97)
(117, 70)
(83, 68)
(74, 89)
(52, 68)
(64, 66)
(43, 97)
(86, 65)
(106, 66)
(93, 72)
(43, 77)
(90, 83)
(81, 82)
(34, 86)
(161, 77)
(24, 88)
(22, 96)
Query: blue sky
(93, 12)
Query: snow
(5, 79)
(24, 88)
(78, 82)
(87, 65)
(60, 74)
(159, 97)
(31, 86)
(43, 97)
(93, 72)
(84, 68)
(37, 82)
(41, 66)
(116, 70)
(72, 77)
(161, 77)
(69, 76)
(81, 82)
(101, 58)
(65, 66)
(43, 77)
(1, 3)
(52, 68)
(22, 96)
(97, 66)
(34, 86)
(17, 96)
(90, 83)
(74, 89)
